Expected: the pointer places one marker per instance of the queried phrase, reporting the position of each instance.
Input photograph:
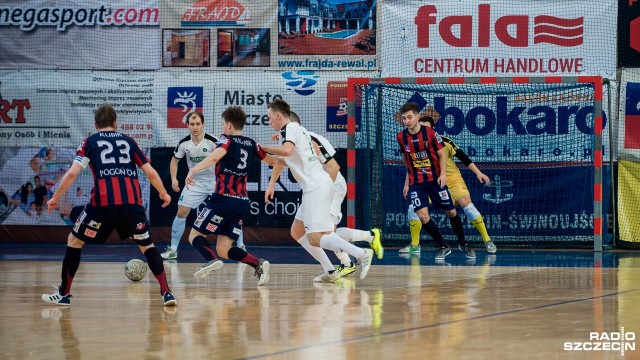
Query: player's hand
(442, 180)
(275, 137)
(52, 204)
(166, 199)
(268, 194)
(175, 185)
(484, 179)
(188, 181)
(405, 192)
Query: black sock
(154, 260)
(456, 225)
(432, 230)
(70, 265)
(237, 254)
(201, 244)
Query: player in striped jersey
(326, 153)
(317, 186)
(116, 201)
(194, 147)
(224, 210)
(426, 161)
(457, 187)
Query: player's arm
(173, 170)
(405, 190)
(67, 180)
(285, 149)
(209, 161)
(156, 182)
(442, 157)
(331, 166)
(278, 166)
(464, 158)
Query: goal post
(539, 139)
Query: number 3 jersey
(231, 169)
(113, 159)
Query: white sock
(353, 235)
(240, 241)
(317, 253)
(177, 229)
(335, 243)
(344, 258)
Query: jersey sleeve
(82, 156)
(288, 133)
(139, 157)
(178, 152)
(449, 147)
(438, 142)
(224, 142)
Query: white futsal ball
(135, 270)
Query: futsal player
(116, 201)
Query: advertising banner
(91, 34)
(498, 38)
(276, 34)
(629, 114)
(572, 217)
(628, 33)
(30, 175)
(55, 108)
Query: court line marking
(434, 325)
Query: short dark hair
(410, 106)
(105, 116)
(429, 119)
(281, 106)
(236, 116)
(196, 113)
(294, 117)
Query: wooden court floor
(517, 305)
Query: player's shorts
(421, 193)
(457, 189)
(315, 208)
(194, 195)
(96, 223)
(222, 215)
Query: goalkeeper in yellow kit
(457, 187)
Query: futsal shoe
(169, 299)
(365, 263)
(468, 252)
(56, 298)
(442, 253)
(205, 269)
(491, 248)
(327, 277)
(376, 243)
(170, 254)
(346, 270)
(262, 272)
(410, 249)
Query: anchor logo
(499, 184)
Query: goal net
(533, 137)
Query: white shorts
(315, 209)
(194, 195)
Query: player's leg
(132, 223)
(203, 226)
(225, 248)
(177, 229)
(475, 218)
(298, 232)
(70, 265)
(240, 241)
(415, 226)
(419, 195)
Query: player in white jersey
(194, 147)
(298, 152)
(326, 153)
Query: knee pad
(411, 215)
(471, 212)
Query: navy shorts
(222, 215)
(420, 193)
(96, 223)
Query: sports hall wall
(156, 61)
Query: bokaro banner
(92, 34)
(498, 38)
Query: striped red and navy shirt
(420, 154)
(231, 169)
(113, 159)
